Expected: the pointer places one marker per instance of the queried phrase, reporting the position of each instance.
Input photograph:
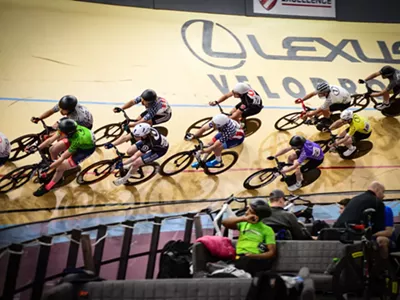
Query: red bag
(218, 246)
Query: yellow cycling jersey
(359, 124)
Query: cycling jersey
(159, 107)
(81, 115)
(4, 146)
(310, 150)
(394, 82)
(337, 95)
(155, 142)
(251, 235)
(228, 131)
(251, 98)
(83, 139)
(359, 124)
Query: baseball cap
(276, 194)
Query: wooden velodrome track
(106, 55)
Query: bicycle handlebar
(120, 154)
(118, 110)
(221, 110)
(369, 89)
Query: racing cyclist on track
(157, 108)
(387, 72)
(304, 150)
(149, 146)
(336, 99)
(359, 129)
(69, 106)
(250, 101)
(5, 149)
(80, 143)
(229, 135)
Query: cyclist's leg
(58, 148)
(161, 118)
(213, 140)
(3, 160)
(235, 141)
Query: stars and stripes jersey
(228, 131)
(159, 107)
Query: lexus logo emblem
(200, 41)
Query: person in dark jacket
(282, 219)
(372, 198)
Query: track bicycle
(306, 213)
(111, 132)
(250, 125)
(20, 176)
(184, 159)
(19, 145)
(268, 175)
(104, 168)
(363, 147)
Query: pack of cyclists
(74, 141)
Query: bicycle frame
(126, 121)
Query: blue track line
(172, 105)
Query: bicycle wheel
(161, 130)
(252, 125)
(360, 102)
(180, 161)
(200, 123)
(324, 145)
(108, 134)
(229, 158)
(260, 179)
(98, 171)
(289, 121)
(16, 178)
(19, 144)
(143, 174)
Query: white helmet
(241, 88)
(141, 129)
(346, 115)
(220, 120)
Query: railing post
(188, 228)
(74, 248)
(14, 261)
(99, 248)
(155, 237)
(87, 252)
(125, 249)
(41, 266)
(198, 227)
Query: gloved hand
(108, 145)
(35, 120)
(117, 109)
(361, 81)
(298, 100)
(189, 136)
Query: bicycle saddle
(369, 211)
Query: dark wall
(382, 11)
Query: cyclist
(229, 135)
(69, 106)
(359, 129)
(250, 101)
(304, 149)
(5, 149)
(336, 99)
(80, 143)
(157, 108)
(149, 146)
(387, 72)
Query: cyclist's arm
(212, 147)
(283, 151)
(270, 253)
(372, 76)
(232, 222)
(122, 139)
(309, 96)
(342, 138)
(129, 104)
(48, 142)
(337, 124)
(387, 232)
(59, 161)
(315, 112)
(224, 97)
(295, 165)
(202, 130)
(47, 114)
(378, 94)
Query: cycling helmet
(141, 129)
(241, 88)
(67, 126)
(346, 115)
(297, 141)
(149, 95)
(220, 120)
(323, 87)
(387, 71)
(261, 208)
(68, 103)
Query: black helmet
(68, 103)
(387, 71)
(149, 95)
(261, 208)
(67, 126)
(297, 141)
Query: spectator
(386, 238)
(282, 219)
(255, 247)
(372, 198)
(342, 204)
